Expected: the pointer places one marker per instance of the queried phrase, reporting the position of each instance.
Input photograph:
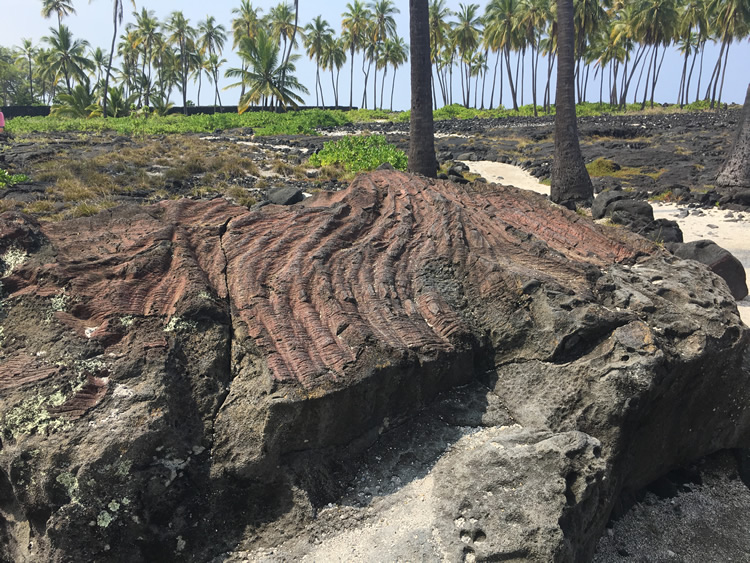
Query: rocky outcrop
(182, 377)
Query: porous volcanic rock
(179, 378)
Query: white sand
(506, 174)
(715, 225)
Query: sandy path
(506, 174)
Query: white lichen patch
(70, 483)
(89, 331)
(59, 302)
(31, 416)
(12, 259)
(104, 519)
(113, 506)
(178, 324)
(127, 320)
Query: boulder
(604, 199)
(181, 378)
(718, 259)
(285, 195)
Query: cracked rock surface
(193, 379)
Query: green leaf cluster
(8, 180)
(360, 154)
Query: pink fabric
(2, 119)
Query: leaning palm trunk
(421, 129)
(735, 172)
(571, 184)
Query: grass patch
(602, 167)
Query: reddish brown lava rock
(317, 283)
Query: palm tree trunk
(724, 72)
(735, 172)
(494, 80)
(484, 76)
(690, 75)
(382, 84)
(510, 78)
(716, 73)
(421, 129)
(111, 54)
(351, 79)
(700, 73)
(657, 71)
(571, 183)
(393, 86)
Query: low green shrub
(359, 154)
(7, 179)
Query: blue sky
(93, 22)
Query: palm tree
(266, 78)
(383, 26)
(60, 7)
(531, 22)
(211, 41)
(466, 35)
(655, 25)
(334, 57)
(245, 25)
(571, 184)
(317, 34)
(421, 129)
(281, 21)
(182, 35)
(732, 22)
(80, 103)
(692, 33)
(735, 172)
(116, 19)
(500, 18)
(68, 56)
(440, 30)
(589, 17)
(354, 24)
(394, 53)
(26, 53)
(145, 37)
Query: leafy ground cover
(7, 179)
(305, 122)
(359, 154)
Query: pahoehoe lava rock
(163, 367)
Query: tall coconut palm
(61, 8)
(267, 78)
(145, 36)
(571, 184)
(656, 24)
(440, 30)
(317, 34)
(334, 57)
(395, 52)
(383, 26)
(245, 25)
(26, 54)
(466, 35)
(692, 34)
(732, 22)
(735, 172)
(589, 17)
(181, 36)
(281, 22)
(68, 56)
(421, 129)
(354, 25)
(211, 39)
(117, 14)
(531, 22)
(500, 25)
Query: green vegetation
(602, 167)
(263, 123)
(359, 154)
(8, 180)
